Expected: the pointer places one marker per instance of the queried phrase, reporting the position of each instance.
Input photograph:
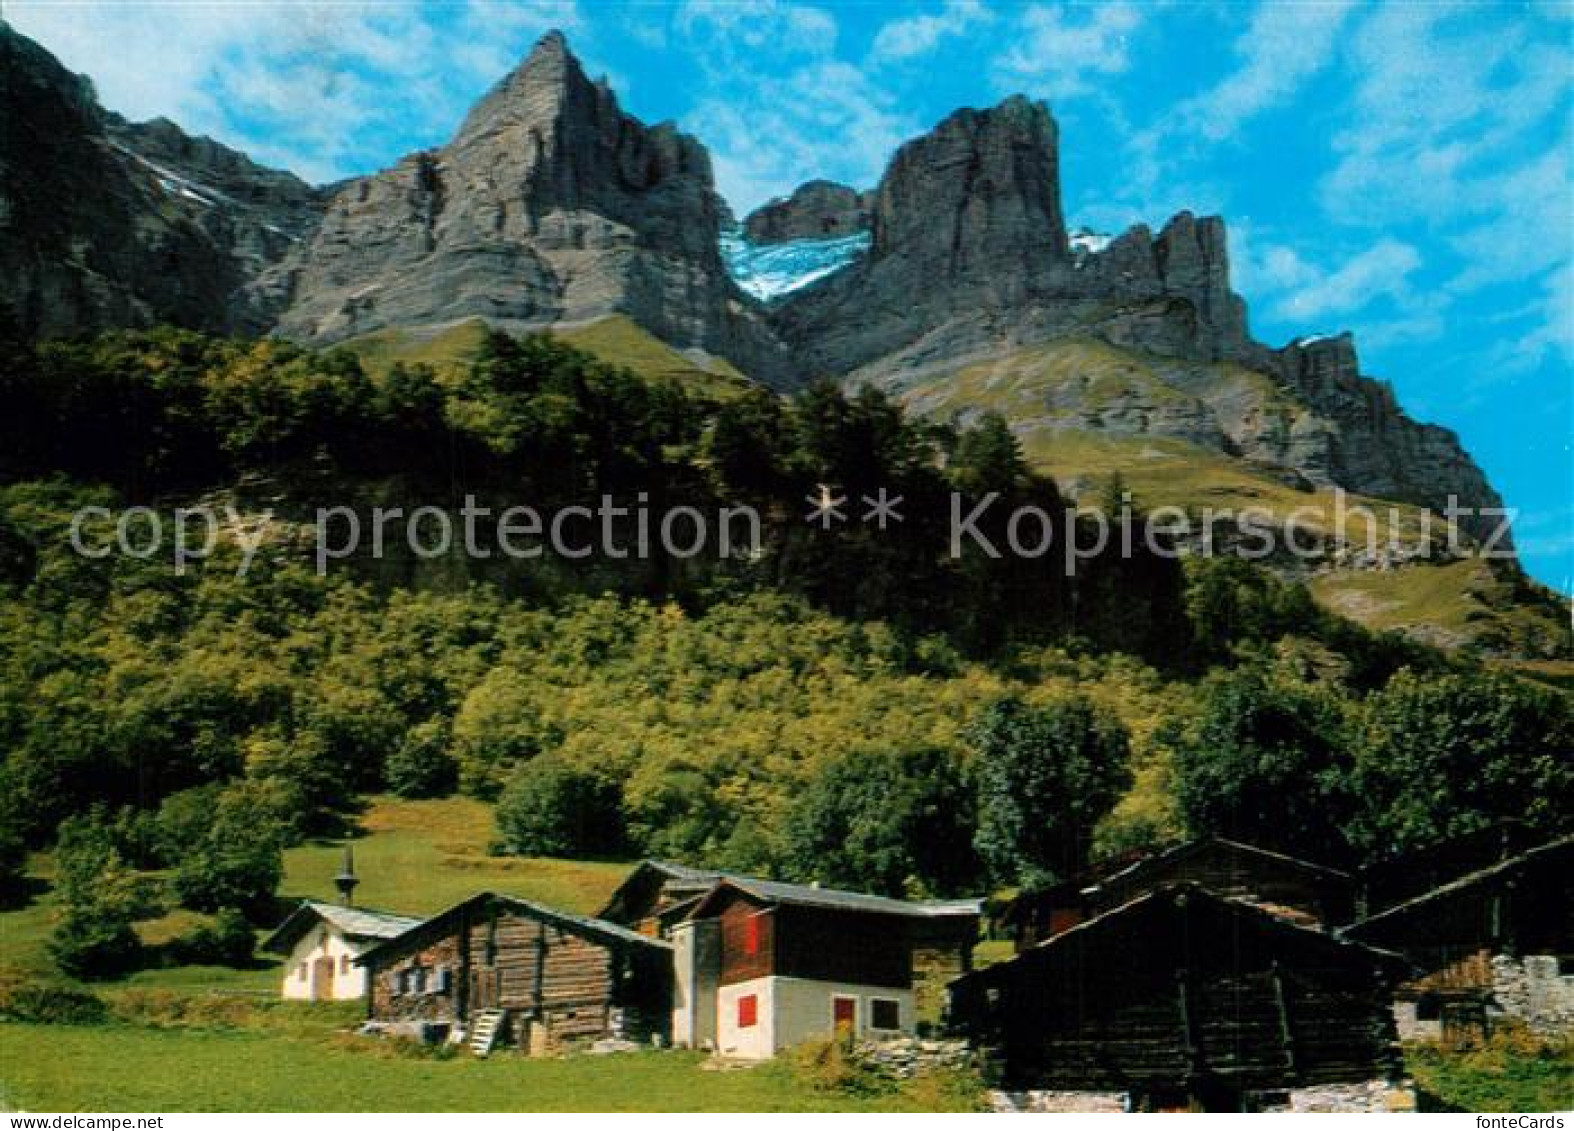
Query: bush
(95, 947)
(227, 941)
(834, 1065)
(41, 1004)
(422, 765)
(552, 809)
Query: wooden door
(844, 1014)
(483, 988)
(322, 978)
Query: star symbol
(882, 508)
(827, 507)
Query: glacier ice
(768, 271)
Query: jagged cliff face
(550, 205)
(104, 223)
(970, 261)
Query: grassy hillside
(417, 857)
(616, 340)
(1042, 388)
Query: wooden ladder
(485, 1030)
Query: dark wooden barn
(1184, 996)
(1299, 890)
(500, 969)
(1497, 943)
(1405, 875)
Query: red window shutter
(751, 935)
(748, 1011)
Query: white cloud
(1059, 52)
(1381, 271)
(301, 85)
(914, 36)
(736, 28)
(1284, 45)
(823, 119)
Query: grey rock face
(106, 224)
(549, 205)
(966, 229)
(815, 210)
(1369, 444)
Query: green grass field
(127, 1068)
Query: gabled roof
(802, 895)
(1177, 894)
(1547, 854)
(1195, 847)
(351, 922)
(583, 925)
(688, 882)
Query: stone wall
(1531, 990)
(1062, 1102)
(905, 1057)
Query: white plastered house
(320, 943)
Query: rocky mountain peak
(977, 197)
(816, 210)
(550, 205)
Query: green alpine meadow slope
(1087, 411)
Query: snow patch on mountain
(1086, 241)
(769, 271)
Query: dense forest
(853, 706)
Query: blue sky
(1399, 170)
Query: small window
(419, 974)
(748, 1011)
(751, 935)
(444, 980)
(344, 963)
(1566, 965)
(885, 1013)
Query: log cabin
(761, 966)
(497, 970)
(1182, 997)
(1299, 890)
(321, 942)
(1494, 945)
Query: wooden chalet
(761, 965)
(1298, 890)
(495, 969)
(1183, 997)
(1497, 943)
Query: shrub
(41, 1004)
(95, 946)
(834, 1065)
(552, 809)
(227, 941)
